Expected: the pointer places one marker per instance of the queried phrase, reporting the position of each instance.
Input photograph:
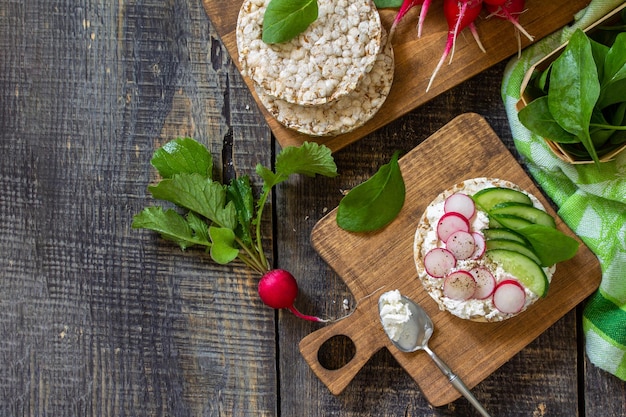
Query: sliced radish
(451, 222)
(485, 282)
(461, 244)
(509, 296)
(460, 203)
(459, 285)
(479, 245)
(438, 262)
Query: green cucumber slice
(507, 234)
(513, 246)
(530, 213)
(489, 197)
(509, 221)
(523, 268)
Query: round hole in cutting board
(336, 352)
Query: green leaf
(537, 118)
(199, 194)
(222, 250)
(309, 159)
(613, 79)
(285, 19)
(170, 225)
(574, 89)
(182, 155)
(240, 193)
(374, 203)
(385, 4)
(199, 226)
(550, 244)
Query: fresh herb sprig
(225, 219)
(580, 99)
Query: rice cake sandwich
(325, 62)
(485, 250)
(343, 114)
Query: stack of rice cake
(330, 79)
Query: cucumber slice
(507, 234)
(509, 221)
(530, 213)
(489, 197)
(523, 268)
(513, 246)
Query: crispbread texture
(424, 226)
(322, 64)
(344, 114)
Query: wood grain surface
(416, 58)
(98, 319)
(373, 263)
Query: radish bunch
(461, 243)
(461, 14)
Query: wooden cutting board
(416, 58)
(372, 263)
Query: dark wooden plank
(96, 318)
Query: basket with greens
(578, 103)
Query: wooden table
(99, 319)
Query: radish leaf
(170, 225)
(182, 155)
(198, 194)
(222, 248)
(285, 19)
(374, 203)
(223, 219)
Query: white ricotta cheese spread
(473, 308)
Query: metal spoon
(424, 329)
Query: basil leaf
(574, 89)
(283, 20)
(537, 118)
(182, 155)
(374, 203)
(550, 244)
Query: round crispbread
(345, 114)
(325, 62)
(484, 310)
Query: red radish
(485, 282)
(438, 262)
(460, 203)
(404, 8)
(479, 244)
(494, 2)
(509, 296)
(278, 289)
(450, 223)
(459, 15)
(461, 244)
(459, 285)
(509, 10)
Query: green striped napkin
(591, 200)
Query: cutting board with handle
(372, 263)
(415, 57)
